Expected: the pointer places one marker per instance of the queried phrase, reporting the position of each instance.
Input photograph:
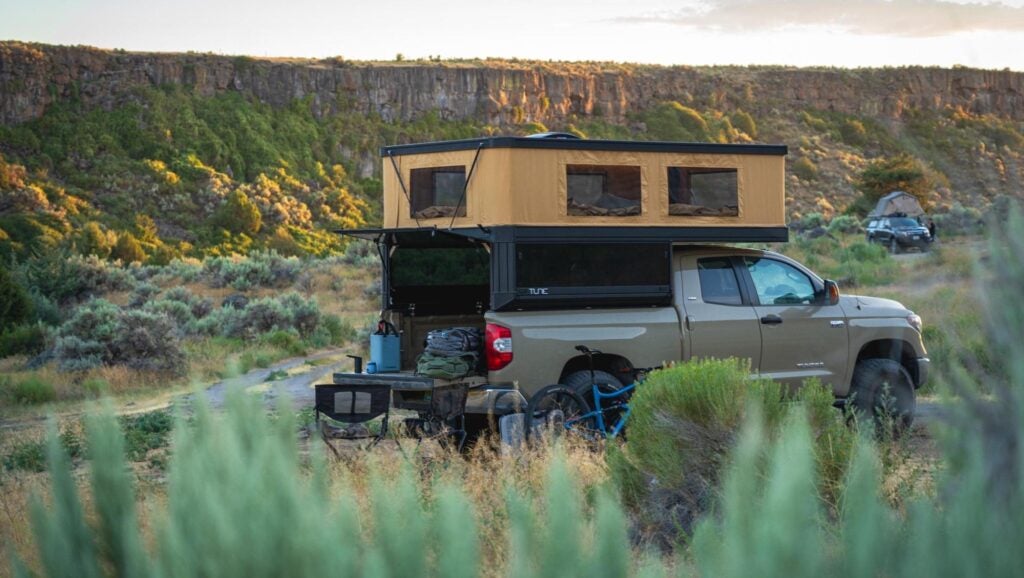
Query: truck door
(802, 336)
(717, 314)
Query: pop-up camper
(572, 183)
(517, 207)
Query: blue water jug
(385, 349)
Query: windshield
(904, 223)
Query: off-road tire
(894, 246)
(560, 397)
(882, 390)
(581, 382)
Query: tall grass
(241, 501)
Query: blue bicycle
(560, 406)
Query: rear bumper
(921, 375)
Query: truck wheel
(882, 389)
(894, 247)
(559, 400)
(580, 382)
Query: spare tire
(581, 381)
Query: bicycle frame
(598, 412)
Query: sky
(845, 33)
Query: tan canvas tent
(897, 202)
(567, 183)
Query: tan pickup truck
(718, 302)
(727, 302)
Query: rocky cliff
(495, 92)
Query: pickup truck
(724, 302)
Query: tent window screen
(436, 192)
(703, 191)
(592, 266)
(602, 190)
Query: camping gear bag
(452, 366)
(453, 340)
(385, 350)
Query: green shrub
(744, 122)
(199, 306)
(22, 340)
(339, 331)
(288, 341)
(267, 269)
(684, 417)
(144, 432)
(853, 132)
(93, 239)
(290, 311)
(845, 224)
(28, 391)
(64, 278)
(805, 168)
(812, 221)
(102, 333)
(143, 292)
(30, 456)
(147, 341)
(685, 424)
(95, 386)
(15, 304)
(128, 249)
(238, 215)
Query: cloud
(906, 18)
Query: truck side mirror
(831, 292)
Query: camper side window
(437, 192)
(602, 190)
(703, 191)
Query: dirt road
(293, 378)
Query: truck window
(779, 283)
(718, 283)
(703, 191)
(436, 192)
(602, 190)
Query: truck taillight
(498, 346)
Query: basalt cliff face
(495, 92)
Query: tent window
(436, 192)
(602, 190)
(703, 191)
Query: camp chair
(445, 415)
(353, 404)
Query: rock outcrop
(33, 76)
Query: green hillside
(171, 173)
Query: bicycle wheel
(559, 398)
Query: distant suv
(898, 234)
